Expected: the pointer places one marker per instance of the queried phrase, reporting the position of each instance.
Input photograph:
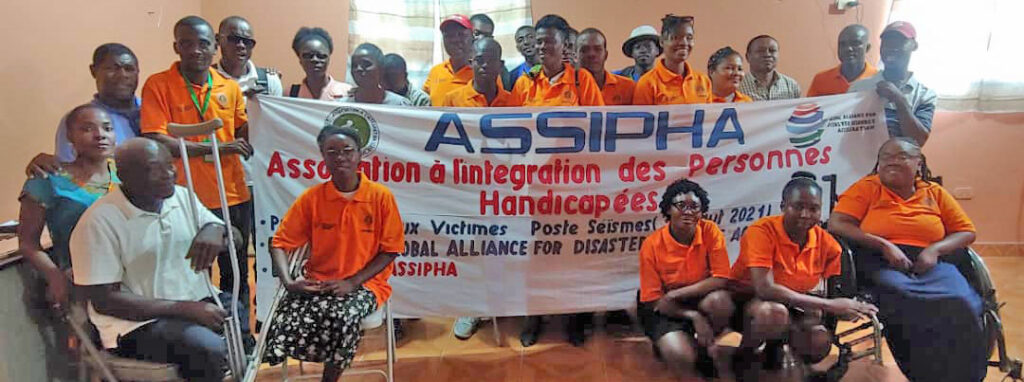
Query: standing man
(555, 82)
(570, 47)
(457, 34)
(853, 45)
(643, 46)
(235, 37)
(526, 44)
(396, 80)
(190, 91)
(911, 105)
(482, 92)
(116, 72)
(764, 82)
(483, 26)
(593, 52)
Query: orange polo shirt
(565, 91)
(443, 78)
(926, 217)
(344, 234)
(661, 86)
(467, 96)
(832, 81)
(618, 90)
(666, 264)
(737, 97)
(765, 244)
(165, 98)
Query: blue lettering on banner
(604, 128)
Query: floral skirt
(319, 328)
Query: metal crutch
(232, 330)
(295, 263)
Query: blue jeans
(199, 353)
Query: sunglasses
(248, 42)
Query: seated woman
(684, 270)
(57, 201)
(725, 68)
(784, 261)
(367, 73)
(902, 224)
(354, 232)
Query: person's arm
(910, 126)
(109, 299)
(30, 228)
(848, 227)
(767, 290)
(698, 289)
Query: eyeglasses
(684, 206)
(248, 42)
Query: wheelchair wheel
(993, 330)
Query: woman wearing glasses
(684, 269)
(314, 46)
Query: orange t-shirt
(443, 78)
(832, 81)
(467, 96)
(665, 264)
(927, 217)
(765, 244)
(166, 99)
(344, 234)
(565, 91)
(618, 90)
(738, 96)
(661, 86)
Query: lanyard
(195, 100)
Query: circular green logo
(360, 121)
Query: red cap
(458, 19)
(902, 27)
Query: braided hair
(719, 56)
(801, 179)
(922, 171)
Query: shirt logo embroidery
(368, 220)
(222, 99)
(326, 226)
(567, 95)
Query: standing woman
(368, 73)
(314, 46)
(726, 71)
(58, 200)
(902, 224)
(354, 233)
(673, 81)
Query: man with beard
(643, 46)
(764, 82)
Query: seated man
(784, 261)
(142, 261)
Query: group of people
(125, 241)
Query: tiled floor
(431, 353)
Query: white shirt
(116, 242)
(248, 81)
(390, 98)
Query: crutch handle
(194, 129)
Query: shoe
(575, 330)
(531, 331)
(465, 327)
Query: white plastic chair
(375, 320)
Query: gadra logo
(806, 125)
(361, 121)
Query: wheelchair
(970, 265)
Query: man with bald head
(853, 46)
(142, 261)
(235, 37)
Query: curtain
(969, 51)
(410, 28)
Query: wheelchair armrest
(973, 268)
(845, 284)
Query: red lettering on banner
(758, 161)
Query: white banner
(514, 211)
